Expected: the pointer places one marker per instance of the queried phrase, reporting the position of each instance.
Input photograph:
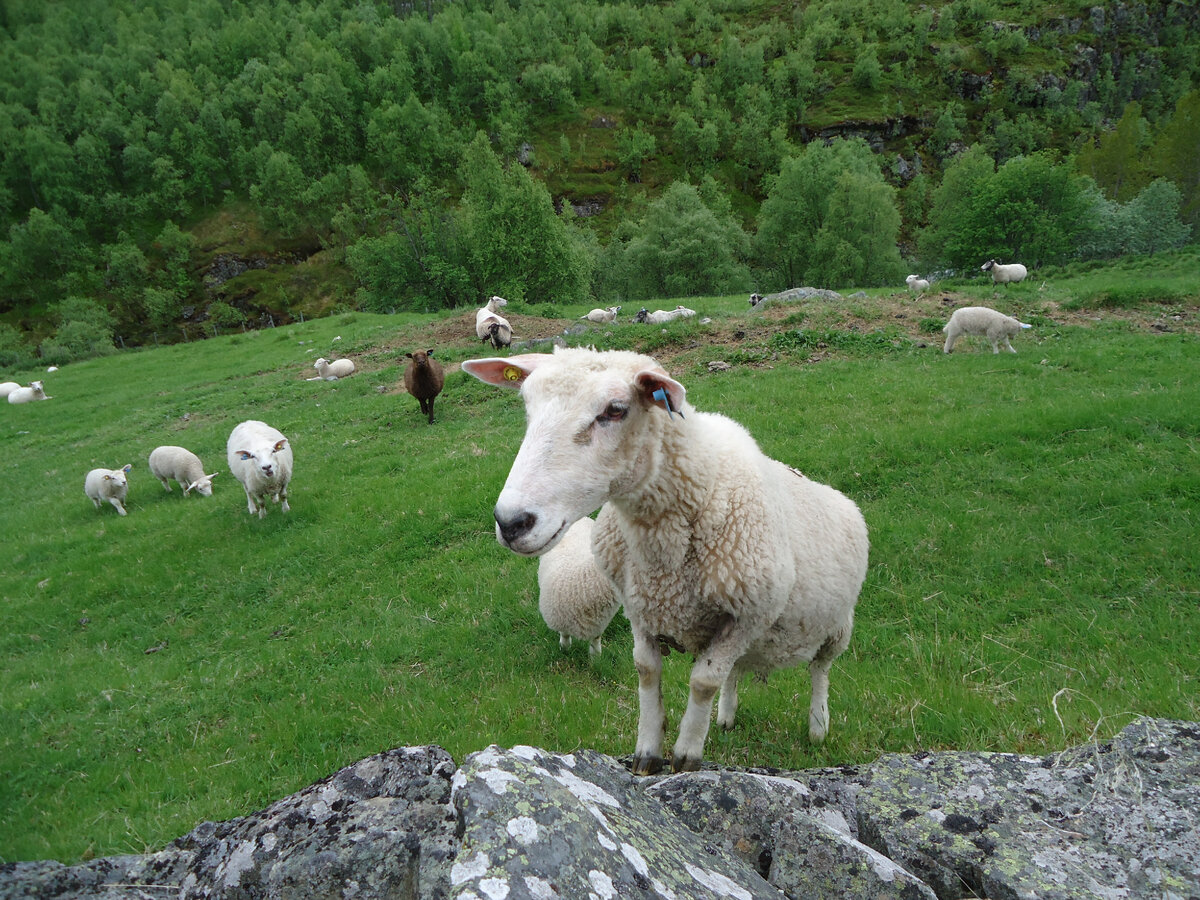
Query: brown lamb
(423, 378)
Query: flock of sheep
(709, 546)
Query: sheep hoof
(686, 763)
(647, 765)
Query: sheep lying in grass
(423, 378)
(662, 316)
(603, 316)
(1005, 274)
(35, 391)
(178, 463)
(574, 597)
(712, 547)
(260, 457)
(7, 387)
(917, 285)
(108, 486)
(491, 326)
(332, 371)
(981, 320)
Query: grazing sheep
(108, 485)
(917, 285)
(996, 327)
(713, 548)
(491, 326)
(423, 378)
(260, 457)
(35, 391)
(603, 316)
(332, 371)
(662, 316)
(7, 387)
(184, 466)
(574, 597)
(1005, 274)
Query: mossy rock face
(1115, 819)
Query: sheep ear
(673, 394)
(504, 371)
(127, 467)
(429, 353)
(409, 355)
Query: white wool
(331, 371)
(170, 462)
(260, 457)
(981, 320)
(107, 486)
(1005, 274)
(7, 387)
(35, 391)
(712, 547)
(574, 597)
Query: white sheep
(713, 548)
(490, 325)
(7, 387)
(917, 285)
(1005, 274)
(574, 597)
(332, 371)
(260, 457)
(981, 320)
(181, 464)
(108, 486)
(603, 316)
(662, 316)
(35, 391)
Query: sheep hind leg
(647, 756)
(727, 703)
(818, 672)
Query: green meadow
(1033, 583)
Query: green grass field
(1033, 582)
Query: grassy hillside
(1031, 584)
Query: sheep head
(594, 431)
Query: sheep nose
(517, 526)
(266, 470)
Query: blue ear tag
(661, 396)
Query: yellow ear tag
(512, 373)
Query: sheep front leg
(116, 504)
(717, 668)
(647, 757)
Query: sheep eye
(245, 455)
(614, 412)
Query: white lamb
(917, 285)
(662, 316)
(108, 486)
(490, 325)
(981, 320)
(1005, 274)
(35, 391)
(603, 316)
(332, 371)
(184, 466)
(713, 548)
(574, 597)
(7, 387)
(260, 457)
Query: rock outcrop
(1112, 820)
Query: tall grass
(1032, 582)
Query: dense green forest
(206, 164)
